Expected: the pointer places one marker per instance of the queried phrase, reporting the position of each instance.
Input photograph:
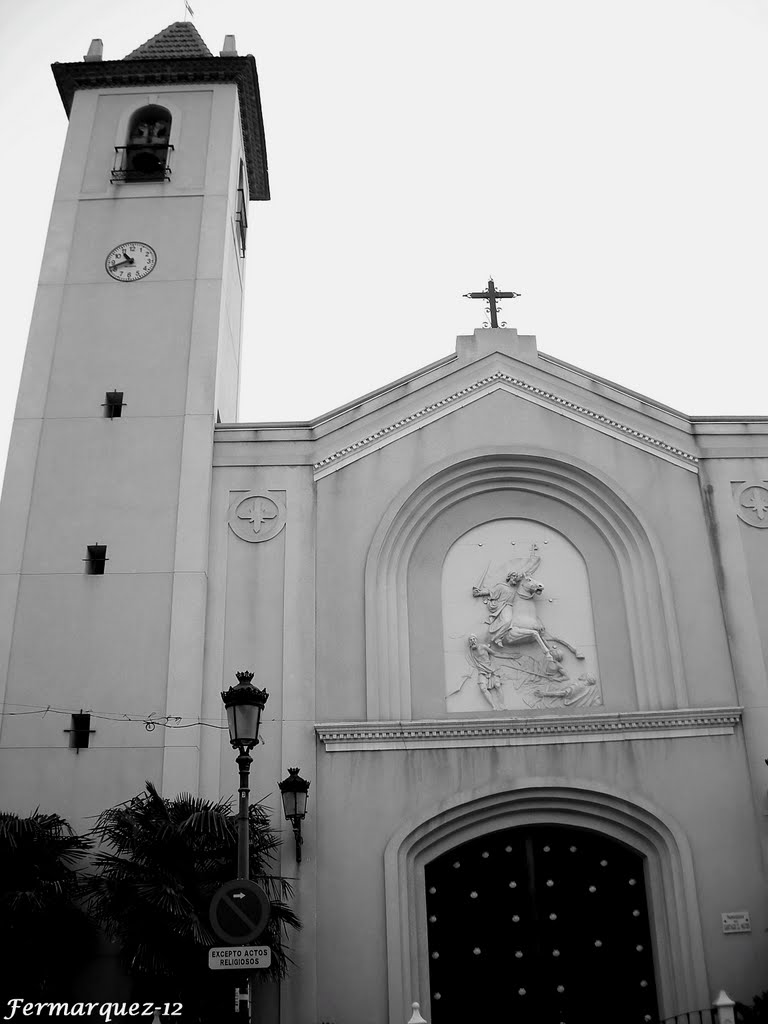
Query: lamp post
(244, 704)
(295, 792)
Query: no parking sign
(239, 911)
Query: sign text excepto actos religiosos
(239, 958)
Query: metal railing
(242, 219)
(142, 162)
(708, 1016)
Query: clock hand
(126, 262)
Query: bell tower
(133, 356)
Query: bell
(145, 161)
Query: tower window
(241, 217)
(113, 406)
(146, 156)
(96, 561)
(80, 731)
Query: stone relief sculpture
(751, 502)
(256, 516)
(513, 614)
(514, 660)
(490, 682)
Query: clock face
(131, 261)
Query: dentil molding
(516, 385)
(528, 731)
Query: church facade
(512, 617)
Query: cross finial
(491, 295)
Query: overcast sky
(606, 158)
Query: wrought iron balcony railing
(142, 162)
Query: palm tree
(161, 862)
(757, 1013)
(46, 937)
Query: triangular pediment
(487, 364)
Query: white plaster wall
(74, 785)
(84, 642)
(363, 798)
(740, 556)
(137, 344)
(131, 641)
(118, 486)
(261, 616)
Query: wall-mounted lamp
(294, 791)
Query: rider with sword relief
(504, 625)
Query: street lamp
(294, 790)
(244, 704)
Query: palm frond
(160, 862)
(40, 894)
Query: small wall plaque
(736, 921)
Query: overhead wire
(150, 721)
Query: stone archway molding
(673, 905)
(654, 639)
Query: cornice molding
(528, 731)
(541, 396)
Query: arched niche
(670, 883)
(498, 579)
(147, 143)
(635, 623)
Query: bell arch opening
(147, 145)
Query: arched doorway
(633, 824)
(540, 922)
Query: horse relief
(517, 648)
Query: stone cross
(491, 295)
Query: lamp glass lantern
(295, 792)
(244, 704)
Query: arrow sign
(239, 911)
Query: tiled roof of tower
(181, 39)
